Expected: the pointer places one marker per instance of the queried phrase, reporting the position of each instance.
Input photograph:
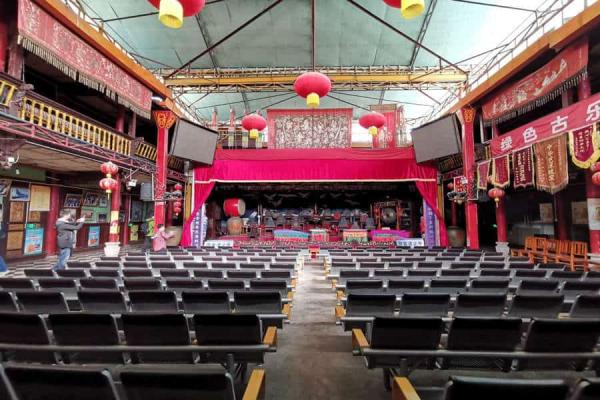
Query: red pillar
(115, 206)
(120, 122)
(501, 225)
(561, 205)
(453, 213)
(592, 191)
(164, 120)
(50, 231)
(467, 117)
(125, 235)
(132, 125)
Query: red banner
(321, 128)
(576, 116)
(460, 184)
(583, 145)
(523, 168)
(501, 172)
(483, 172)
(551, 168)
(541, 86)
(47, 38)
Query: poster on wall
(579, 213)
(136, 211)
(94, 236)
(103, 200)
(4, 187)
(14, 240)
(40, 198)
(134, 233)
(91, 199)
(546, 213)
(72, 200)
(89, 215)
(593, 209)
(17, 212)
(34, 241)
(19, 193)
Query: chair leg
(387, 379)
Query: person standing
(65, 229)
(160, 239)
(148, 230)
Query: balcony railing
(47, 114)
(7, 92)
(146, 150)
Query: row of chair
(450, 286)
(25, 382)
(480, 343)
(143, 338)
(574, 253)
(190, 302)
(465, 387)
(334, 270)
(362, 308)
(184, 264)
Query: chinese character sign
(551, 168)
(523, 168)
(483, 172)
(583, 145)
(574, 117)
(501, 172)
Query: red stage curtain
(315, 165)
(428, 191)
(201, 193)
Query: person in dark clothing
(65, 230)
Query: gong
(388, 216)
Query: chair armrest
(256, 385)
(287, 310)
(402, 389)
(270, 338)
(359, 340)
(339, 312)
(290, 295)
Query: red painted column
(132, 125)
(164, 120)
(592, 191)
(50, 231)
(125, 235)
(467, 117)
(453, 213)
(115, 206)
(120, 122)
(501, 225)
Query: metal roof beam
(422, 32)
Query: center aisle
(314, 356)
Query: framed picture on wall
(136, 211)
(546, 213)
(89, 215)
(17, 212)
(4, 186)
(91, 199)
(102, 218)
(72, 201)
(19, 193)
(103, 200)
(579, 212)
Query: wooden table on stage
(355, 235)
(319, 235)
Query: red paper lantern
(312, 86)
(178, 187)
(393, 3)
(108, 185)
(596, 178)
(372, 121)
(496, 194)
(254, 123)
(450, 186)
(595, 167)
(109, 169)
(190, 7)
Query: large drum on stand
(234, 207)
(234, 226)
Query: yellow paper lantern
(170, 13)
(412, 8)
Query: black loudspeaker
(437, 139)
(146, 191)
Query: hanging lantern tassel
(170, 13)
(253, 134)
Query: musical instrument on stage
(234, 207)
(388, 216)
(234, 226)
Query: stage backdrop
(315, 165)
(321, 128)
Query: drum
(388, 216)
(234, 226)
(234, 207)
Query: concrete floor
(314, 356)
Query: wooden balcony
(8, 89)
